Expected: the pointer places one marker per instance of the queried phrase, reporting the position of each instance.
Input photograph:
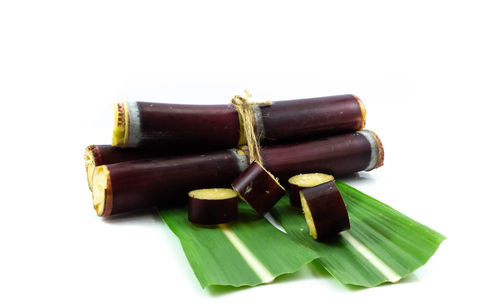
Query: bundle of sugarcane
(206, 157)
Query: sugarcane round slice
(212, 206)
(301, 181)
(258, 188)
(324, 210)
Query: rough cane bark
(202, 127)
(146, 183)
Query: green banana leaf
(247, 252)
(381, 246)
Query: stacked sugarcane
(168, 153)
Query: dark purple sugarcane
(108, 154)
(339, 155)
(294, 188)
(212, 211)
(96, 155)
(258, 188)
(200, 126)
(207, 127)
(311, 118)
(145, 183)
(327, 209)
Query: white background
(428, 72)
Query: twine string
(244, 108)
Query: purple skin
(212, 211)
(327, 209)
(338, 155)
(143, 184)
(258, 189)
(202, 127)
(311, 118)
(294, 193)
(107, 154)
(199, 126)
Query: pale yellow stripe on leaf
(372, 258)
(250, 258)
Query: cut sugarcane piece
(212, 206)
(382, 245)
(301, 181)
(142, 184)
(202, 127)
(324, 210)
(258, 188)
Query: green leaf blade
(382, 245)
(248, 252)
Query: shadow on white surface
(356, 178)
(141, 216)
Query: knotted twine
(244, 108)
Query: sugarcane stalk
(145, 183)
(311, 118)
(138, 184)
(96, 155)
(208, 127)
(339, 155)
